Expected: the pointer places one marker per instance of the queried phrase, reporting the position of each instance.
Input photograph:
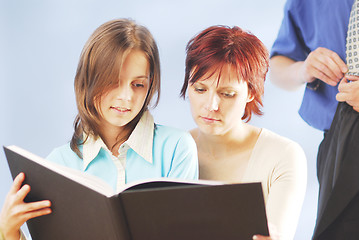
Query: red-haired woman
(225, 72)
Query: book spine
(119, 220)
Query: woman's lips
(209, 119)
(121, 109)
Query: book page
(101, 186)
(164, 182)
(87, 180)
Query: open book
(85, 207)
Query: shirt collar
(140, 140)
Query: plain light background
(40, 45)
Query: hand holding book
(260, 237)
(16, 212)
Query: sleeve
(62, 155)
(23, 237)
(185, 160)
(53, 156)
(287, 190)
(289, 41)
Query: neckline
(253, 153)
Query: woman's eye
(199, 90)
(228, 94)
(138, 85)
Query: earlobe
(250, 98)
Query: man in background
(311, 49)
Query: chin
(210, 130)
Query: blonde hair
(98, 71)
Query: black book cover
(163, 209)
(77, 211)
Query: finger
(344, 85)
(22, 193)
(331, 67)
(37, 213)
(341, 97)
(25, 211)
(352, 77)
(346, 97)
(260, 237)
(335, 65)
(351, 88)
(338, 61)
(17, 183)
(34, 206)
(322, 75)
(318, 65)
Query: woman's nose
(212, 102)
(124, 93)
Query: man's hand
(325, 65)
(322, 64)
(349, 91)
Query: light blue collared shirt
(153, 151)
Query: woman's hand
(273, 233)
(16, 212)
(260, 237)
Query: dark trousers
(346, 226)
(338, 176)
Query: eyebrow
(230, 88)
(142, 76)
(199, 83)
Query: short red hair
(217, 46)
